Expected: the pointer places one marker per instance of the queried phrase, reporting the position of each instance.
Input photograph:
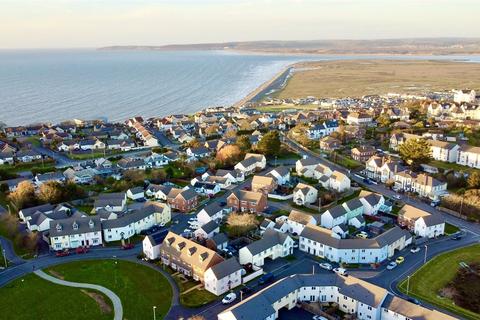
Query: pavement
(116, 302)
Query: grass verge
(427, 281)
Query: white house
(135, 193)
(223, 277)
(251, 163)
(273, 245)
(211, 212)
(372, 202)
(304, 193)
(281, 174)
(207, 231)
(444, 151)
(113, 202)
(363, 300)
(130, 224)
(159, 192)
(297, 221)
(469, 156)
(359, 118)
(430, 226)
(151, 245)
(464, 96)
(324, 243)
(72, 233)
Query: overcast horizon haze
(100, 23)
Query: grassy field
(450, 228)
(139, 287)
(364, 77)
(426, 282)
(34, 298)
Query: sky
(97, 23)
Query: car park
(229, 298)
(340, 271)
(392, 265)
(400, 260)
(325, 265)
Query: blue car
(266, 278)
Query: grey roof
(323, 236)
(50, 176)
(212, 209)
(209, 227)
(337, 211)
(354, 204)
(126, 219)
(282, 170)
(157, 237)
(136, 190)
(219, 238)
(66, 226)
(188, 194)
(41, 208)
(433, 220)
(308, 162)
(226, 268)
(373, 199)
(269, 240)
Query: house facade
(273, 245)
(247, 201)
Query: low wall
(279, 197)
(252, 276)
(452, 213)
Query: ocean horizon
(57, 85)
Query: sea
(56, 85)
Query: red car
(63, 253)
(81, 250)
(128, 246)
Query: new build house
(223, 276)
(324, 243)
(273, 245)
(363, 300)
(421, 222)
(72, 233)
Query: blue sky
(93, 23)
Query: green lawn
(426, 282)
(197, 298)
(38, 167)
(451, 166)
(450, 228)
(139, 287)
(34, 298)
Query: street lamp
(425, 258)
(408, 284)
(154, 315)
(4, 258)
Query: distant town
(323, 208)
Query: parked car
(362, 235)
(415, 249)
(340, 271)
(397, 196)
(266, 278)
(128, 246)
(187, 230)
(295, 244)
(80, 250)
(246, 290)
(229, 298)
(413, 300)
(62, 253)
(392, 265)
(317, 317)
(400, 260)
(326, 266)
(456, 236)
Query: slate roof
(209, 227)
(65, 227)
(270, 239)
(226, 268)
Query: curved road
(117, 304)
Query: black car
(456, 237)
(266, 278)
(246, 290)
(413, 300)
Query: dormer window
(75, 225)
(170, 241)
(59, 227)
(181, 245)
(91, 224)
(203, 256)
(191, 251)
